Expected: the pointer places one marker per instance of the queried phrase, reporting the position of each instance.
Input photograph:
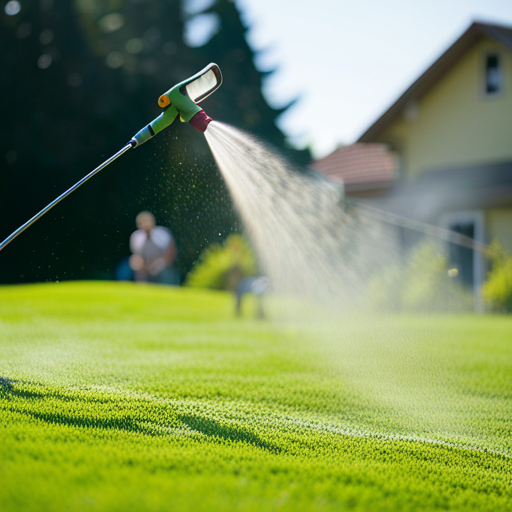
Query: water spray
(447, 235)
(182, 99)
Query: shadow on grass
(214, 428)
(6, 385)
(85, 409)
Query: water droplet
(12, 8)
(44, 61)
(111, 22)
(115, 60)
(134, 45)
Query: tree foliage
(221, 267)
(497, 290)
(420, 283)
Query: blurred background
(80, 77)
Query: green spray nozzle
(182, 100)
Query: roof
(473, 34)
(363, 165)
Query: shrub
(423, 282)
(497, 290)
(222, 266)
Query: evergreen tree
(46, 102)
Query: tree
(47, 98)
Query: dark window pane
(492, 74)
(462, 258)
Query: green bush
(423, 282)
(497, 290)
(222, 266)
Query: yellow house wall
(499, 227)
(456, 124)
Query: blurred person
(257, 285)
(153, 252)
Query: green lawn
(125, 397)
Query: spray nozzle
(183, 99)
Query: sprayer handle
(157, 125)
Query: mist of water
(306, 239)
(347, 268)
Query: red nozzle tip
(201, 121)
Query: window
(470, 263)
(493, 75)
(462, 258)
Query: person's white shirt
(153, 246)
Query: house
(451, 136)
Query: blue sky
(349, 60)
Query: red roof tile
(359, 164)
